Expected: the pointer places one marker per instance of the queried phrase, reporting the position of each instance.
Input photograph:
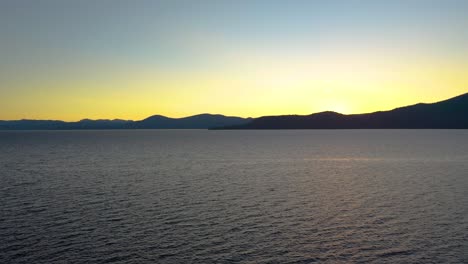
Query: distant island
(448, 114)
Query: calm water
(196, 196)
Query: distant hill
(26, 124)
(448, 114)
(203, 121)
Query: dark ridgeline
(448, 114)
(451, 113)
(203, 121)
(26, 124)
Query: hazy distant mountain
(451, 113)
(26, 124)
(99, 124)
(203, 121)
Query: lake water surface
(199, 196)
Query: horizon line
(206, 113)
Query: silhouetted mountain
(99, 124)
(203, 121)
(449, 114)
(26, 124)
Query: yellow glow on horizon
(248, 86)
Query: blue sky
(89, 48)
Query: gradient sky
(131, 59)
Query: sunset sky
(71, 60)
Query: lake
(200, 196)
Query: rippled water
(196, 196)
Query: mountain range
(202, 121)
(448, 114)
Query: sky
(71, 60)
